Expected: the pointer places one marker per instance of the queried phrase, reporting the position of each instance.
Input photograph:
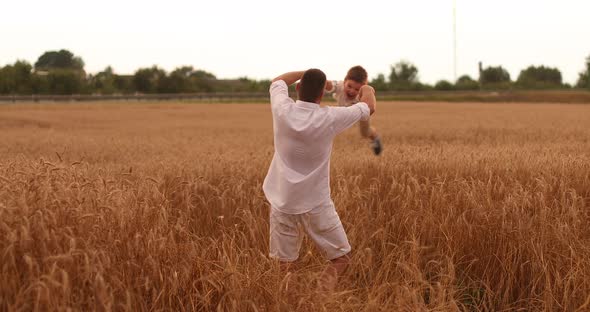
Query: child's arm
(329, 86)
(332, 86)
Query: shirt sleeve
(345, 117)
(279, 95)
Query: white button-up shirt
(298, 179)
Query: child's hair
(357, 74)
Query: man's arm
(290, 77)
(367, 95)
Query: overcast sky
(263, 38)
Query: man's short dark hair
(312, 85)
(357, 74)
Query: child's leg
(366, 130)
(367, 95)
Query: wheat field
(159, 207)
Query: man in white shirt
(346, 93)
(297, 184)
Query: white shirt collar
(307, 104)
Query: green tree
(584, 78)
(443, 85)
(60, 72)
(179, 81)
(201, 74)
(62, 59)
(379, 83)
(186, 79)
(403, 76)
(245, 84)
(63, 81)
(466, 83)
(6, 85)
(124, 83)
(495, 78)
(251, 85)
(16, 79)
(540, 77)
(203, 81)
(494, 75)
(104, 82)
(149, 80)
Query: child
(346, 93)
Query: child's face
(351, 88)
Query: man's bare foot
(329, 277)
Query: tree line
(404, 76)
(61, 72)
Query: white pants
(322, 225)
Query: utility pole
(455, 39)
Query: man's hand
(290, 77)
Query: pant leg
(325, 229)
(285, 236)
